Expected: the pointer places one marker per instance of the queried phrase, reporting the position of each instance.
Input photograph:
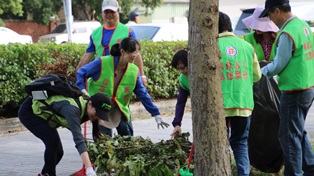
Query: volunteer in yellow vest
(294, 66)
(71, 113)
(118, 77)
(263, 36)
(239, 69)
(105, 36)
(180, 62)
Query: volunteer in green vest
(180, 62)
(239, 69)
(263, 36)
(105, 36)
(71, 113)
(294, 66)
(117, 77)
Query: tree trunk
(212, 154)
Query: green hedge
(20, 64)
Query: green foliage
(125, 5)
(19, 64)
(157, 57)
(125, 9)
(13, 6)
(42, 10)
(136, 156)
(2, 24)
(152, 4)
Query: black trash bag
(264, 148)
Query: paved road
(21, 153)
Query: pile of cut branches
(135, 156)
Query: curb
(11, 125)
(166, 107)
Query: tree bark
(212, 154)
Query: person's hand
(85, 92)
(176, 131)
(144, 80)
(160, 122)
(263, 63)
(90, 171)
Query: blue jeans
(49, 136)
(239, 142)
(297, 150)
(124, 128)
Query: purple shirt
(180, 106)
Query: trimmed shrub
(20, 64)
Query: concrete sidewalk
(22, 152)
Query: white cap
(110, 5)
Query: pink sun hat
(261, 24)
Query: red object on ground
(191, 155)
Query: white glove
(90, 171)
(160, 122)
(85, 92)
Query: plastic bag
(264, 148)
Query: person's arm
(256, 69)
(86, 160)
(72, 115)
(139, 61)
(282, 58)
(87, 57)
(180, 106)
(142, 94)
(91, 69)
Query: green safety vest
(105, 84)
(184, 82)
(299, 72)
(258, 47)
(121, 32)
(236, 67)
(54, 120)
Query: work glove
(90, 171)
(176, 131)
(160, 122)
(85, 92)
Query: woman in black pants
(43, 121)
